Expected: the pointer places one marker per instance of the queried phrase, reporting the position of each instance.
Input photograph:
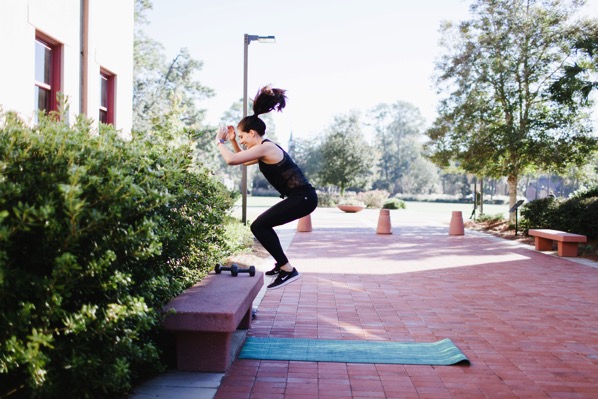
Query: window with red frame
(106, 97)
(47, 73)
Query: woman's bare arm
(246, 157)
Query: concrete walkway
(528, 321)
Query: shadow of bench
(204, 318)
(566, 242)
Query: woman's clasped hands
(226, 132)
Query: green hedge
(96, 234)
(577, 215)
(394, 203)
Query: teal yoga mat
(441, 353)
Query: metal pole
(481, 196)
(246, 40)
(244, 167)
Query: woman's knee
(257, 226)
(254, 227)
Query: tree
(422, 177)
(578, 77)
(307, 155)
(401, 167)
(345, 155)
(164, 89)
(496, 119)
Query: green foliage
(373, 198)
(328, 200)
(540, 213)
(496, 117)
(401, 166)
(346, 158)
(394, 203)
(237, 236)
(585, 193)
(164, 88)
(350, 200)
(370, 199)
(307, 155)
(578, 79)
(96, 234)
(576, 215)
(490, 218)
(579, 215)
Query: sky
(332, 56)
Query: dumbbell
(250, 270)
(234, 270)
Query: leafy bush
(328, 200)
(370, 199)
(585, 193)
(373, 198)
(238, 236)
(540, 213)
(350, 200)
(576, 215)
(580, 216)
(96, 234)
(394, 203)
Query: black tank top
(285, 176)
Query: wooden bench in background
(205, 317)
(566, 242)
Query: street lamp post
(248, 39)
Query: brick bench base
(207, 315)
(566, 242)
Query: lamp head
(259, 39)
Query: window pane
(103, 116)
(42, 98)
(43, 63)
(103, 91)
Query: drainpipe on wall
(84, 56)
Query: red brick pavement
(527, 321)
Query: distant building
(81, 48)
(530, 193)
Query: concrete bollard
(384, 226)
(304, 224)
(456, 228)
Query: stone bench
(566, 242)
(204, 318)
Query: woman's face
(248, 139)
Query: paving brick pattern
(527, 321)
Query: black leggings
(292, 208)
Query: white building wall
(111, 33)
(110, 42)
(12, 73)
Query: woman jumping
(282, 173)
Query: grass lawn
(427, 207)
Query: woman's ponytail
(266, 100)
